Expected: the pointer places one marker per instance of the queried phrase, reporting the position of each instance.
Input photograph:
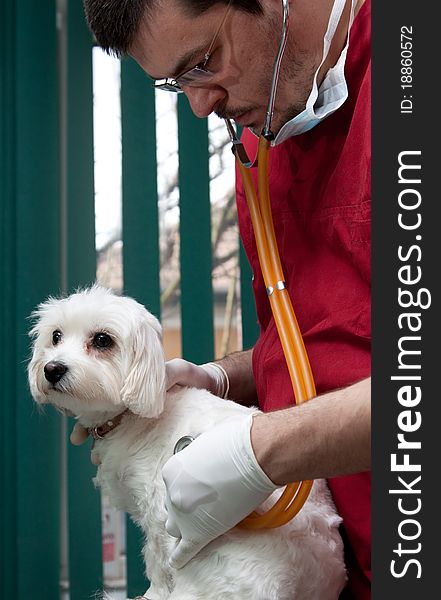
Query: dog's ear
(143, 392)
(35, 363)
(33, 379)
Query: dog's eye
(56, 337)
(102, 340)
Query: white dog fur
(301, 560)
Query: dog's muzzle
(54, 371)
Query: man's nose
(54, 371)
(203, 100)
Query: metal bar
(195, 237)
(140, 235)
(250, 325)
(36, 189)
(84, 508)
(8, 498)
(81, 256)
(140, 192)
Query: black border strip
(405, 120)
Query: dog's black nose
(54, 371)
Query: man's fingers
(175, 372)
(171, 527)
(79, 435)
(182, 372)
(184, 552)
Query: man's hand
(210, 376)
(212, 485)
(78, 435)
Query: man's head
(169, 37)
(116, 22)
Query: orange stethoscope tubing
(295, 494)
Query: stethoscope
(295, 494)
(182, 443)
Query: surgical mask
(333, 91)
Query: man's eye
(56, 337)
(102, 340)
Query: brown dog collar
(100, 431)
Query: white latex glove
(210, 376)
(212, 485)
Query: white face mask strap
(308, 118)
(334, 19)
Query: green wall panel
(140, 194)
(79, 269)
(140, 235)
(195, 236)
(250, 325)
(33, 188)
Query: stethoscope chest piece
(182, 443)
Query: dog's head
(95, 351)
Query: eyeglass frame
(198, 73)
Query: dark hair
(115, 23)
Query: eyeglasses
(198, 75)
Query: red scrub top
(320, 189)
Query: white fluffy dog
(98, 356)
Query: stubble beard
(296, 79)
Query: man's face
(170, 42)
